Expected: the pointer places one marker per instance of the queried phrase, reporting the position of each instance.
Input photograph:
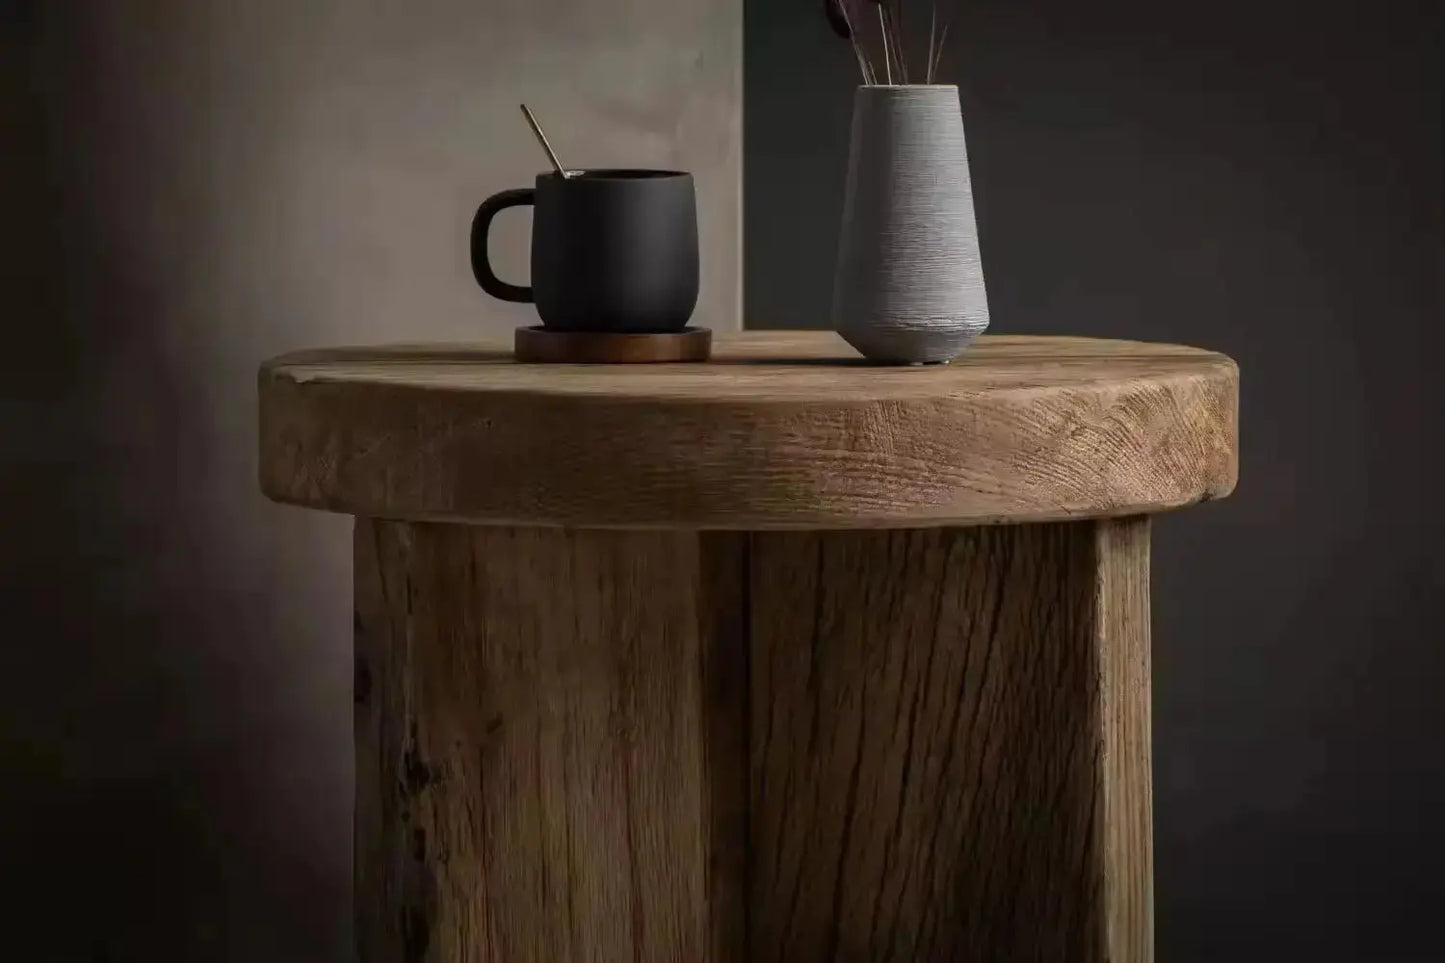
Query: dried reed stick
(932, 27)
(895, 24)
(841, 20)
(938, 57)
(845, 17)
(883, 29)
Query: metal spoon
(542, 139)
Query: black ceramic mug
(612, 250)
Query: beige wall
(193, 185)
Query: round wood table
(783, 657)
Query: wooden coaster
(604, 347)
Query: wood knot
(416, 775)
(415, 934)
(360, 682)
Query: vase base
(913, 343)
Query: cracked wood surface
(783, 430)
(918, 745)
(950, 745)
(549, 746)
(721, 738)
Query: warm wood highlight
(950, 745)
(1126, 824)
(922, 745)
(717, 663)
(545, 346)
(784, 430)
(550, 746)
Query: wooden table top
(780, 430)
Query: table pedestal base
(783, 746)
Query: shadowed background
(190, 186)
(1264, 179)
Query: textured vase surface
(909, 282)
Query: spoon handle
(542, 139)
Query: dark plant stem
(838, 18)
(932, 28)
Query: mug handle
(481, 224)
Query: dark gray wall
(187, 187)
(1263, 179)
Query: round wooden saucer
(605, 347)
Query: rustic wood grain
(550, 745)
(1126, 827)
(782, 431)
(922, 745)
(390, 898)
(950, 748)
(849, 744)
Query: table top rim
(756, 366)
(1019, 428)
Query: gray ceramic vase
(909, 282)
